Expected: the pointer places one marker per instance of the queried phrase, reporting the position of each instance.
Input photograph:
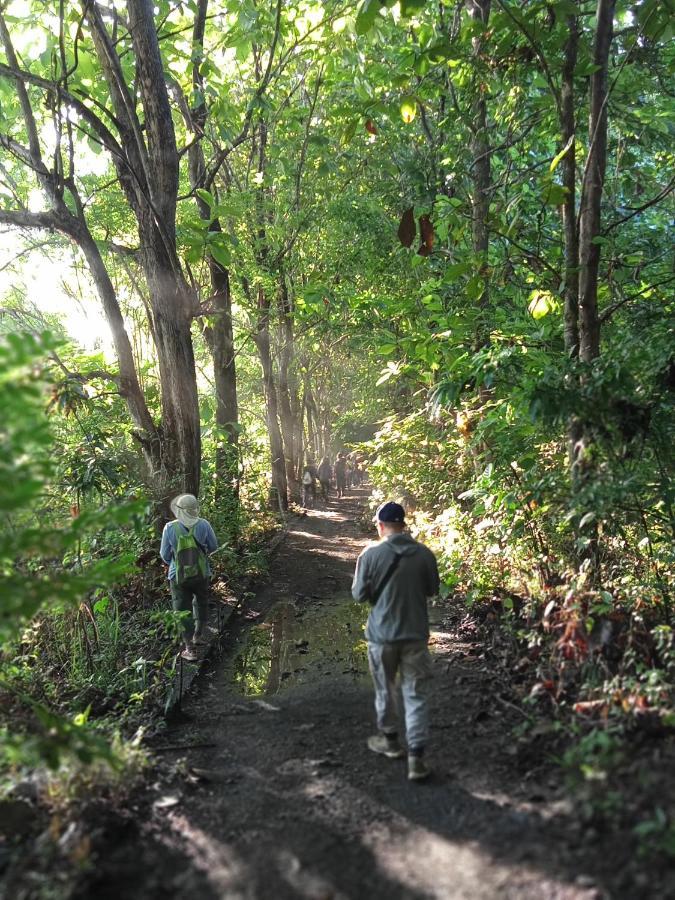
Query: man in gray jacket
(396, 576)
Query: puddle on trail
(295, 645)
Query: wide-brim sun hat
(185, 508)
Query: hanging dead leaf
(427, 236)
(406, 228)
(371, 127)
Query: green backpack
(189, 556)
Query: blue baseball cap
(390, 513)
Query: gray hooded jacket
(400, 613)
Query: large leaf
(406, 228)
(408, 109)
(427, 236)
(365, 18)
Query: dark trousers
(193, 598)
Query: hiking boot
(418, 770)
(380, 743)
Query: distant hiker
(325, 473)
(396, 576)
(341, 474)
(313, 471)
(186, 544)
(308, 489)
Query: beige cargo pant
(411, 661)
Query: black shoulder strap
(385, 580)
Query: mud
(296, 644)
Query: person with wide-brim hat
(191, 596)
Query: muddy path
(266, 788)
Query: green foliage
(656, 835)
(41, 567)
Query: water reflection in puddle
(295, 645)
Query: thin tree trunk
(286, 389)
(589, 248)
(569, 173)
(569, 212)
(129, 387)
(262, 341)
(592, 188)
(172, 301)
(219, 334)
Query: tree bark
(148, 174)
(592, 188)
(569, 214)
(569, 174)
(583, 469)
(75, 227)
(219, 334)
(287, 385)
(262, 341)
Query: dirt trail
(278, 796)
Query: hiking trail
(266, 789)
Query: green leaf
(365, 18)
(410, 7)
(221, 254)
(553, 194)
(349, 132)
(206, 196)
(559, 156)
(541, 304)
(408, 108)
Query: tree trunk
(221, 344)
(569, 213)
(569, 173)
(589, 249)
(287, 386)
(129, 387)
(592, 188)
(312, 423)
(262, 341)
(219, 334)
(148, 174)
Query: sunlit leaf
(559, 156)
(408, 109)
(541, 304)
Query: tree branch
(670, 187)
(259, 91)
(540, 56)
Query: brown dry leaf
(427, 235)
(371, 127)
(406, 228)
